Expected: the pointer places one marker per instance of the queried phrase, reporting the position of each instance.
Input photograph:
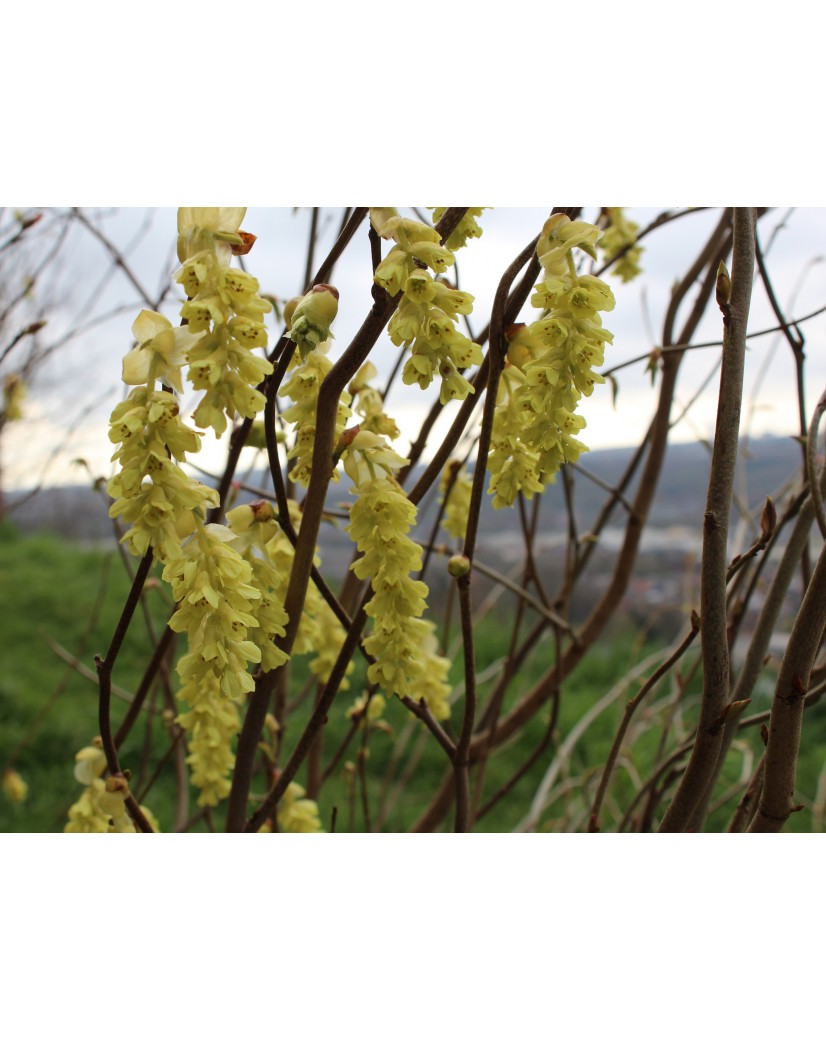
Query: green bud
(458, 566)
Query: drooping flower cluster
(212, 584)
(211, 722)
(380, 519)
(302, 388)
(255, 527)
(298, 814)
(151, 491)
(425, 320)
(512, 465)
(214, 588)
(264, 545)
(221, 595)
(551, 365)
(101, 808)
(368, 403)
(457, 486)
(225, 308)
(619, 234)
(223, 327)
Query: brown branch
(733, 296)
(786, 719)
(811, 465)
(105, 666)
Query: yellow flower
(375, 709)
(428, 309)
(91, 763)
(367, 455)
(101, 808)
(297, 814)
(201, 226)
(394, 270)
(465, 229)
(14, 786)
(621, 234)
(457, 505)
(158, 341)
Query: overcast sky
(79, 389)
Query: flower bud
(520, 344)
(289, 310)
(458, 566)
(723, 289)
(312, 317)
(257, 436)
(246, 244)
(262, 511)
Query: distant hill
(79, 512)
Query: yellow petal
(149, 324)
(136, 367)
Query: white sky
(70, 406)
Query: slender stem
(734, 299)
(105, 665)
(308, 270)
(811, 465)
(421, 711)
(750, 800)
(682, 345)
(135, 707)
(786, 719)
(759, 645)
(630, 708)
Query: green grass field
(54, 594)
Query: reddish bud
(723, 288)
(768, 520)
(246, 244)
(323, 287)
(511, 330)
(262, 511)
